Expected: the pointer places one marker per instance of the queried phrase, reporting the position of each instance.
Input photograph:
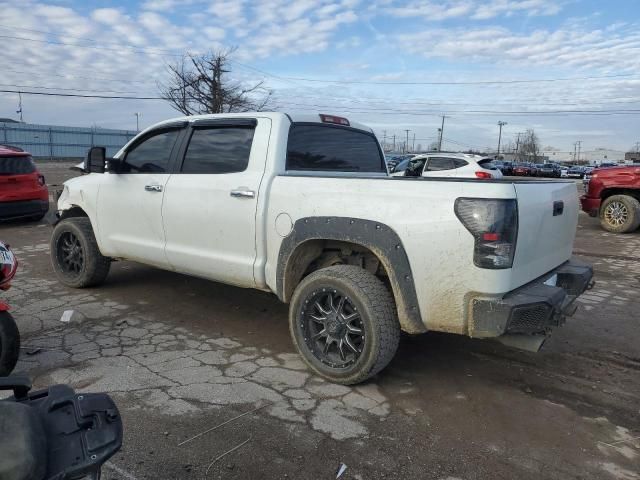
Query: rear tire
(344, 323)
(75, 256)
(620, 214)
(9, 344)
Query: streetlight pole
(406, 145)
(500, 124)
(137, 114)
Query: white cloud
(475, 9)
(566, 47)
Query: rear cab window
(17, 165)
(327, 148)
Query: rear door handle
(243, 193)
(153, 188)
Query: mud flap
(529, 343)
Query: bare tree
(198, 84)
(530, 146)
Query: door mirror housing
(95, 161)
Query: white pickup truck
(303, 206)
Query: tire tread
(381, 304)
(97, 265)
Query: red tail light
(41, 180)
(483, 175)
(494, 226)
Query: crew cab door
(129, 207)
(210, 203)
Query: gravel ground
(180, 355)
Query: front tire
(9, 344)
(76, 258)
(344, 323)
(620, 214)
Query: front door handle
(243, 193)
(153, 188)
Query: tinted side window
(218, 150)
(19, 165)
(325, 148)
(151, 155)
(440, 163)
(457, 163)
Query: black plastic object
(64, 434)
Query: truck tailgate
(547, 220)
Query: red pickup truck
(613, 194)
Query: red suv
(23, 191)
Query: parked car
(587, 175)
(613, 194)
(441, 164)
(506, 168)
(302, 206)
(521, 170)
(564, 172)
(575, 172)
(23, 190)
(549, 170)
(533, 169)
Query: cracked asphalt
(182, 355)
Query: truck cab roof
(292, 117)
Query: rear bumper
(590, 205)
(24, 208)
(534, 308)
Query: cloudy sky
(570, 69)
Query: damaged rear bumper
(533, 309)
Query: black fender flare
(377, 237)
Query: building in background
(632, 157)
(55, 142)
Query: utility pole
(413, 145)
(500, 124)
(579, 148)
(575, 149)
(517, 153)
(394, 142)
(406, 145)
(441, 131)
(20, 106)
(138, 115)
(384, 139)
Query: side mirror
(95, 161)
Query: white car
(459, 165)
(302, 206)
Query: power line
(479, 82)
(51, 94)
(396, 112)
(61, 88)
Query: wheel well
(74, 211)
(313, 255)
(608, 192)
